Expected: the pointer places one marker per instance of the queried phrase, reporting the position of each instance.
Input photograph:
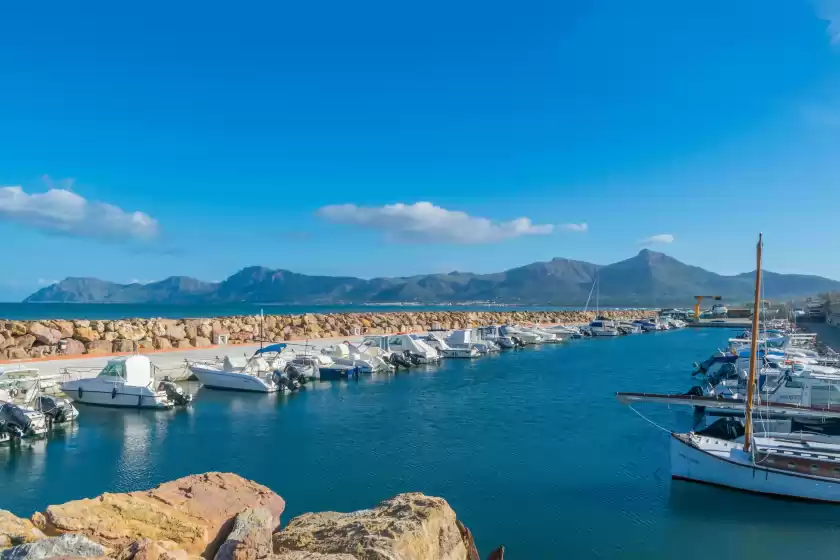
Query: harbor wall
(21, 340)
(222, 516)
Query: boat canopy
(271, 348)
(134, 370)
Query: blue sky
(386, 138)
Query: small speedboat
(125, 382)
(256, 375)
(24, 387)
(18, 423)
(436, 341)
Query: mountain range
(647, 279)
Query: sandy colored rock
(161, 343)
(14, 530)
(406, 527)
(100, 347)
(25, 341)
(72, 347)
(85, 334)
(123, 345)
(147, 549)
(65, 328)
(130, 332)
(175, 332)
(250, 538)
(190, 512)
(201, 342)
(184, 344)
(302, 555)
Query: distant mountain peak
(649, 278)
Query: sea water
(530, 448)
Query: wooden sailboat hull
(723, 463)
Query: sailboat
(600, 326)
(773, 464)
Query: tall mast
(748, 426)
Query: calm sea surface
(530, 448)
(37, 311)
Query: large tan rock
(85, 334)
(250, 538)
(100, 347)
(195, 513)
(130, 332)
(201, 342)
(65, 328)
(14, 530)
(406, 527)
(161, 343)
(147, 549)
(73, 347)
(175, 332)
(25, 341)
(14, 353)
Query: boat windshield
(113, 370)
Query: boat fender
(114, 393)
(139, 401)
(81, 393)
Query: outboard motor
(294, 374)
(175, 393)
(400, 360)
(413, 358)
(14, 420)
(517, 342)
(56, 410)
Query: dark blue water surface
(113, 311)
(530, 448)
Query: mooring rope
(648, 420)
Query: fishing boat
(256, 375)
(126, 382)
(771, 464)
(25, 387)
(436, 341)
(349, 354)
(603, 327)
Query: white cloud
(61, 210)
(659, 238)
(580, 228)
(43, 282)
(425, 221)
(829, 10)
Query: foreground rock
(406, 527)
(65, 545)
(14, 530)
(222, 516)
(36, 339)
(194, 512)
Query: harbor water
(530, 448)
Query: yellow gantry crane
(699, 301)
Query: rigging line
(648, 420)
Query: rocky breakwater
(20, 340)
(221, 516)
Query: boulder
(191, 331)
(65, 328)
(73, 347)
(122, 345)
(25, 341)
(85, 334)
(302, 555)
(175, 332)
(250, 538)
(41, 350)
(161, 343)
(406, 527)
(14, 530)
(110, 336)
(98, 326)
(76, 546)
(184, 344)
(205, 330)
(195, 513)
(81, 323)
(14, 353)
(3, 341)
(201, 342)
(17, 328)
(100, 347)
(130, 332)
(147, 549)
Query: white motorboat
(603, 327)
(436, 341)
(626, 327)
(402, 344)
(18, 423)
(545, 335)
(25, 387)
(258, 374)
(349, 354)
(493, 334)
(123, 382)
(526, 337)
